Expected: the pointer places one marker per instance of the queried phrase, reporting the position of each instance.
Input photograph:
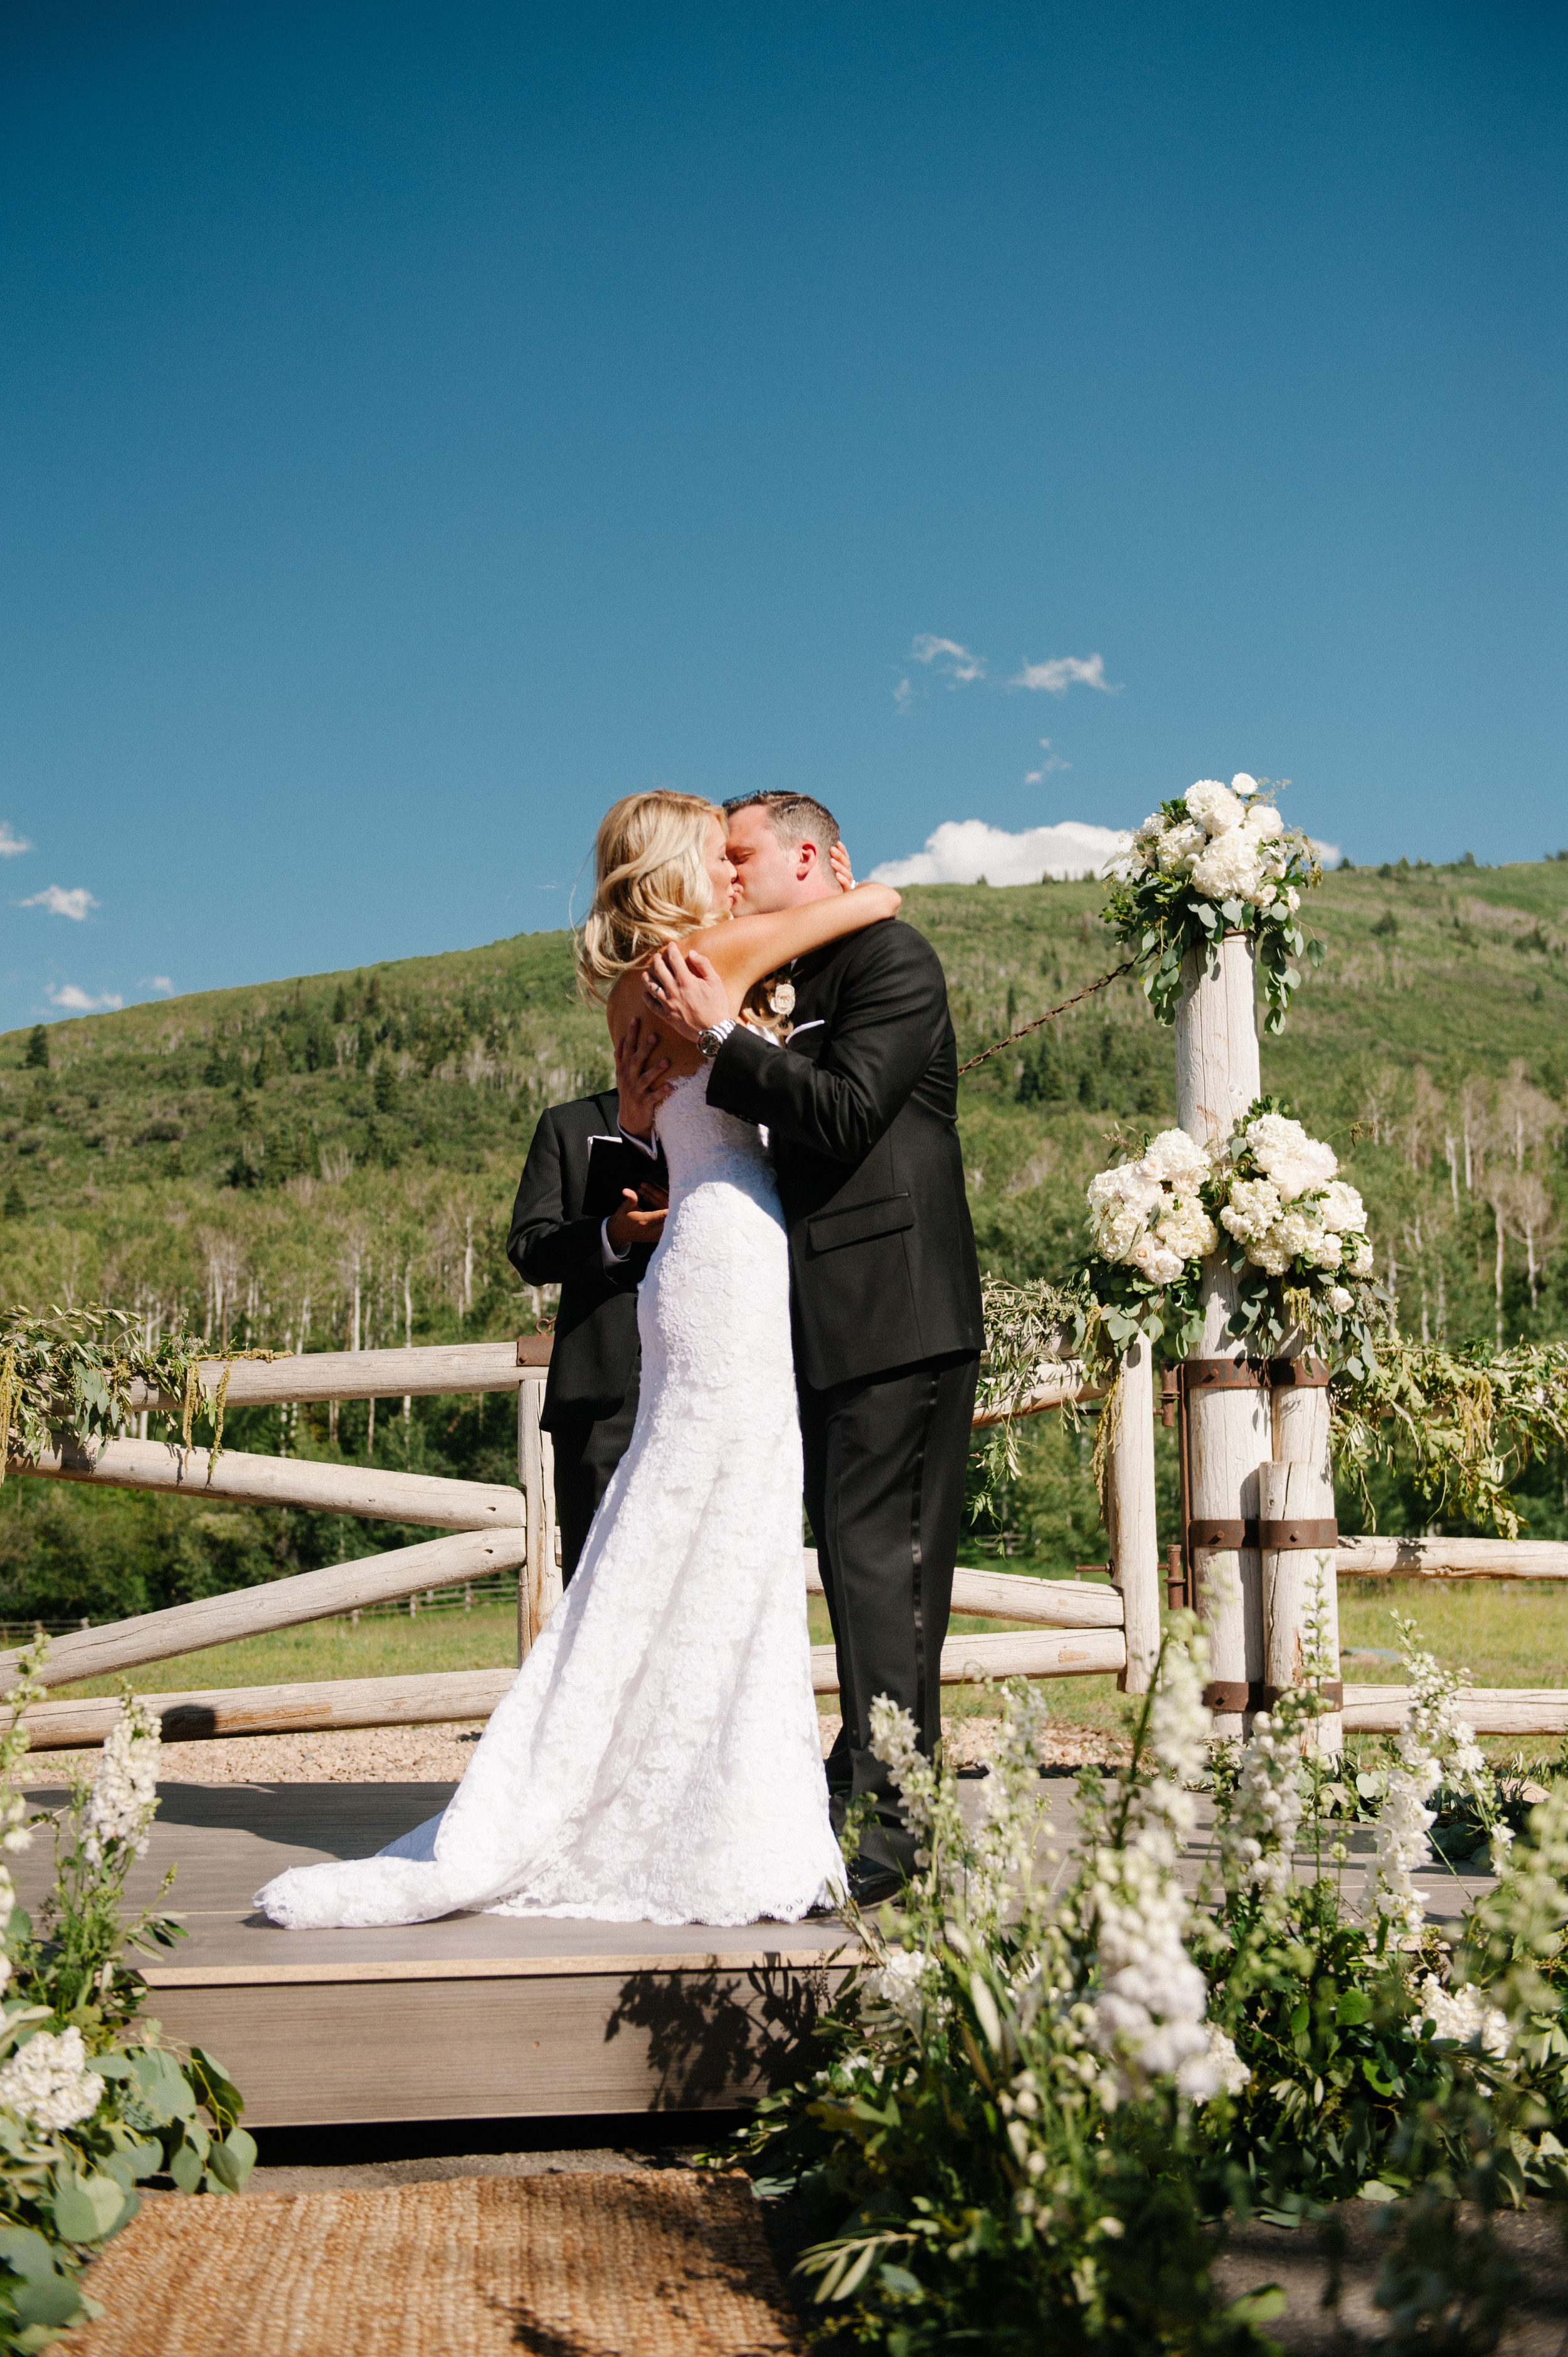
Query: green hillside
(270, 1164)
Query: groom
(861, 1110)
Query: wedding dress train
(657, 1759)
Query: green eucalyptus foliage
(162, 2110)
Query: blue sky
(420, 425)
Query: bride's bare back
(740, 951)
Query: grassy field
(1506, 1633)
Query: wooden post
(1300, 1484)
(538, 1588)
(1130, 1517)
(1229, 1435)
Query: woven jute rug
(662, 2262)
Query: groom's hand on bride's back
(641, 1077)
(684, 991)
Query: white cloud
(1331, 854)
(949, 660)
(160, 982)
(11, 844)
(956, 662)
(1052, 761)
(1060, 673)
(77, 1002)
(60, 902)
(963, 850)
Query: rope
(1051, 1011)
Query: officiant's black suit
(861, 1107)
(590, 1395)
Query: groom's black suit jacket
(595, 1354)
(861, 1107)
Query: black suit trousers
(885, 1459)
(587, 1449)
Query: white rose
(1214, 806)
(1343, 1207)
(1229, 869)
(1115, 1232)
(1364, 1261)
(1328, 1251)
(1159, 1264)
(1294, 1161)
(1268, 1254)
(1180, 846)
(1292, 898)
(1127, 1183)
(1243, 785)
(1176, 1158)
(1264, 822)
(1338, 1301)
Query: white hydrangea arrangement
(1150, 1234)
(1295, 1231)
(1217, 859)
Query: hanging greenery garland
(69, 1373)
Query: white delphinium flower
(907, 1984)
(1436, 1726)
(1435, 1746)
(1149, 2017)
(1229, 869)
(1215, 807)
(17, 1834)
(1464, 2014)
(1284, 1153)
(1223, 2061)
(48, 2081)
(125, 1795)
(1258, 1835)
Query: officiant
(589, 1213)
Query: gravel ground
(402, 1755)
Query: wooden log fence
(1062, 1628)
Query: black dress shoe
(870, 1883)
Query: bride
(657, 1759)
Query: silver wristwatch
(711, 1040)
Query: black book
(613, 1167)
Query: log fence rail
(1065, 1627)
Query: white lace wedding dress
(657, 1760)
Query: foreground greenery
(1033, 2107)
(94, 2099)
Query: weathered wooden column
(1297, 1501)
(1130, 1520)
(539, 1582)
(1217, 1076)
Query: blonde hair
(651, 885)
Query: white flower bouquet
(1217, 859)
(1272, 1199)
(1151, 1232)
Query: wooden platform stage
(477, 2016)
(482, 2017)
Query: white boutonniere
(781, 999)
